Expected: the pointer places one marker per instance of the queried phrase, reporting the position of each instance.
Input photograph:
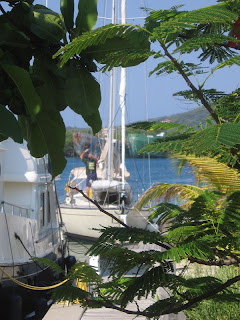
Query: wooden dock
(76, 312)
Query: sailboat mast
(110, 113)
(122, 93)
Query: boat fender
(70, 261)
(68, 200)
(61, 262)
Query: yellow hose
(27, 286)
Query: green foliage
(231, 113)
(36, 89)
(209, 94)
(204, 227)
(87, 16)
(67, 10)
(121, 41)
(228, 310)
(33, 86)
(49, 263)
(9, 125)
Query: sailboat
(30, 226)
(110, 190)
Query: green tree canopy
(35, 88)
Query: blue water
(143, 174)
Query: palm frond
(167, 191)
(219, 175)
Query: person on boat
(90, 161)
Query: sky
(147, 97)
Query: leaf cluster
(34, 89)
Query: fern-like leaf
(228, 63)
(190, 20)
(153, 125)
(203, 41)
(124, 58)
(99, 37)
(209, 94)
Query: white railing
(15, 210)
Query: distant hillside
(192, 117)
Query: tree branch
(100, 208)
(184, 306)
(190, 84)
(220, 262)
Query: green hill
(192, 117)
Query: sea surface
(143, 174)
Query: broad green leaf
(52, 91)
(94, 121)
(9, 125)
(13, 38)
(22, 18)
(2, 137)
(83, 94)
(47, 25)
(87, 15)
(67, 9)
(46, 130)
(47, 136)
(25, 86)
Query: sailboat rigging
(111, 190)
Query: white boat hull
(29, 225)
(86, 221)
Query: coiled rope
(27, 286)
